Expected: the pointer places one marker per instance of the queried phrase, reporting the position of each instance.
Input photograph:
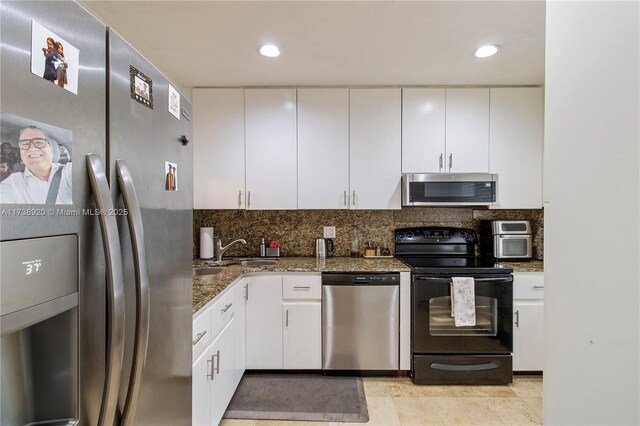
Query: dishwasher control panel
(360, 279)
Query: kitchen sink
(258, 262)
(219, 263)
(208, 270)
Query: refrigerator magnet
(170, 176)
(141, 87)
(174, 102)
(54, 58)
(35, 165)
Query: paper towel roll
(206, 243)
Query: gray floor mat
(299, 397)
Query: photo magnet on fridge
(54, 58)
(170, 176)
(174, 102)
(141, 87)
(35, 162)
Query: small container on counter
(263, 248)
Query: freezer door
(30, 98)
(145, 138)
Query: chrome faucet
(220, 250)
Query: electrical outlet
(329, 232)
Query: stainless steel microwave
(449, 189)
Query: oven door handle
(496, 280)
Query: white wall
(592, 213)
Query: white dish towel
(463, 301)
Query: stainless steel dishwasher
(360, 321)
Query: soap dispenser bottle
(263, 248)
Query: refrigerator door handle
(115, 290)
(141, 339)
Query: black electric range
(441, 352)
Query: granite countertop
(531, 266)
(206, 287)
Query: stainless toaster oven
(506, 239)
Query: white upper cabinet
(423, 130)
(323, 148)
(375, 147)
(467, 131)
(445, 130)
(516, 128)
(270, 133)
(218, 149)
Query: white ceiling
(212, 43)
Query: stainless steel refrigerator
(118, 348)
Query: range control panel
(436, 235)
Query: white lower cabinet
(216, 371)
(302, 312)
(284, 322)
(213, 382)
(264, 322)
(528, 321)
(302, 336)
(239, 300)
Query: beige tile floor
(397, 401)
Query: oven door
(433, 327)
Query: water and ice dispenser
(39, 331)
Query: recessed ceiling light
(486, 51)
(269, 50)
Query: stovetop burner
(455, 265)
(443, 250)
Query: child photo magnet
(54, 58)
(170, 176)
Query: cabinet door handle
(538, 287)
(518, 319)
(210, 370)
(301, 286)
(286, 321)
(450, 161)
(217, 355)
(226, 307)
(345, 197)
(246, 292)
(353, 201)
(239, 199)
(199, 336)
(440, 162)
(249, 200)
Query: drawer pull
(226, 308)
(538, 287)
(199, 336)
(301, 286)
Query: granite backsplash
(296, 230)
